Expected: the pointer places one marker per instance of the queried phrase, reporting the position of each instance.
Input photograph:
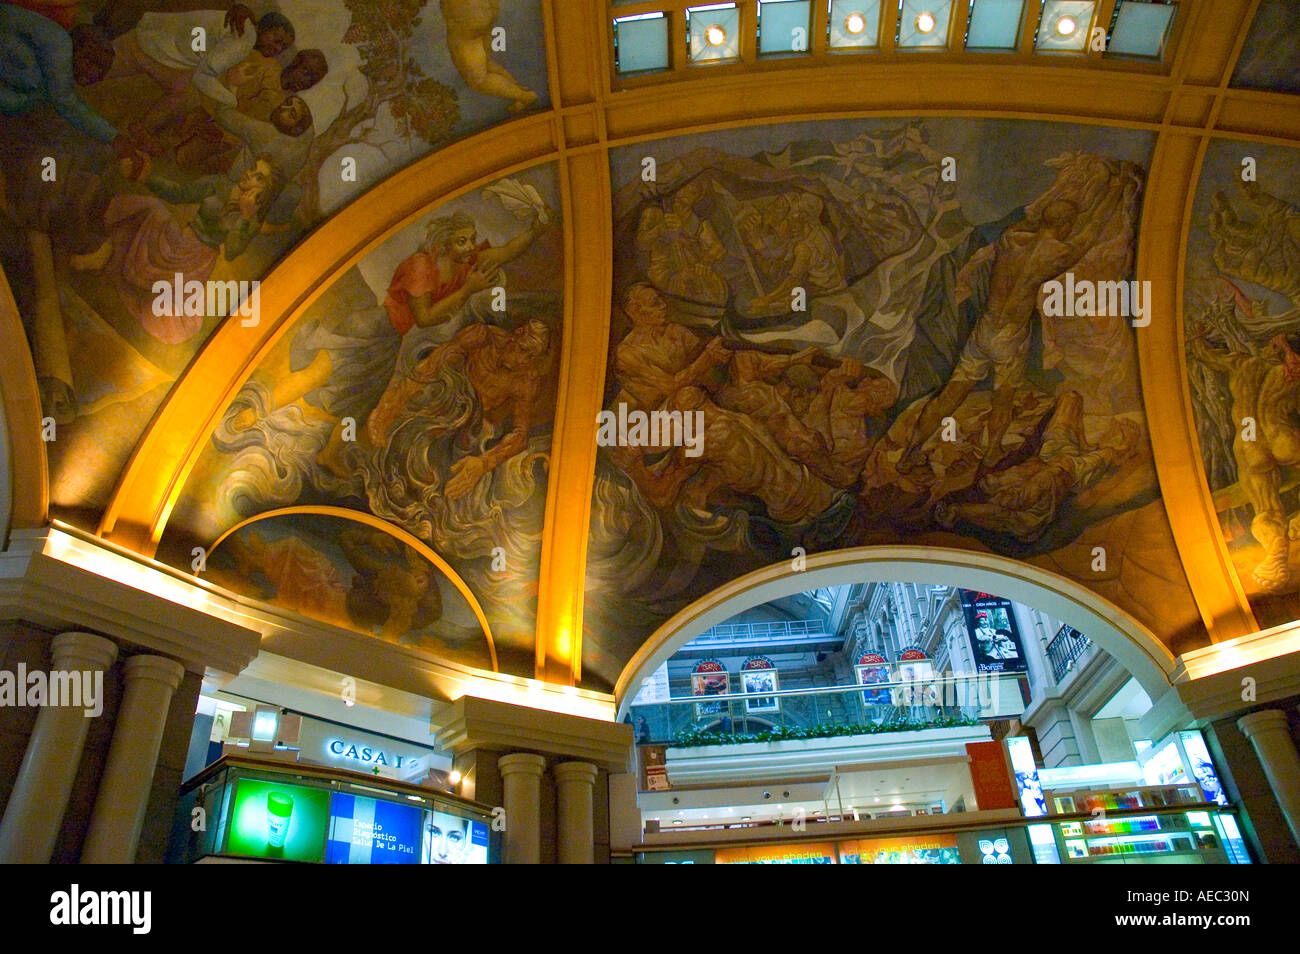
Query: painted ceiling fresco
(1271, 57)
(419, 390)
(1242, 308)
(140, 140)
(853, 314)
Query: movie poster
(994, 638)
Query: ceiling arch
(1189, 105)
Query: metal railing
(772, 632)
(1065, 649)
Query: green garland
(689, 738)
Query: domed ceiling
(423, 320)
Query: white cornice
(1241, 673)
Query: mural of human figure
(469, 41)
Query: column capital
(575, 772)
(521, 763)
(72, 651)
(1262, 721)
(156, 668)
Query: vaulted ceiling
(375, 447)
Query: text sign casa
(342, 749)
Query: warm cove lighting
(1065, 26)
(925, 23)
(855, 23)
(715, 35)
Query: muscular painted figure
(469, 41)
(839, 412)
(1265, 389)
(508, 371)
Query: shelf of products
(1161, 796)
(1171, 838)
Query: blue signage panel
(367, 831)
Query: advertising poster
(1029, 786)
(873, 671)
(654, 768)
(916, 673)
(453, 840)
(921, 850)
(710, 679)
(1203, 767)
(811, 854)
(368, 831)
(275, 820)
(758, 674)
(994, 639)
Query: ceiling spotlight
(454, 777)
(1066, 25)
(715, 35)
(677, 822)
(854, 24)
(744, 818)
(925, 23)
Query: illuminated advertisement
(275, 820)
(709, 679)
(453, 840)
(1164, 766)
(368, 831)
(811, 854)
(1202, 767)
(1028, 785)
(994, 639)
(757, 674)
(920, 850)
(872, 670)
(916, 673)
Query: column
(521, 779)
(34, 814)
(573, 794)
(1270, 734)
(124, 788)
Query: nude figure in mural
(754, 388)
(845, 398)
(739, 456)
(798, 248)
(1046, 243)
(1266, 390)
(469, 41)
(682, 249)
(507, 370)
(1024, 500)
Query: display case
(264, 810)
(1122, 799)
(1163, 838)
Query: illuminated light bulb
(454, 777)
(1065, 26)
(855, 23)
(925, 23)
(715, 35)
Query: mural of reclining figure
(1024, 500)
(1265, 388)
(738, 456)
(845, 398)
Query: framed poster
(453, 840)
(710, 679)
(994, 638)
(758, 674)
(369, 831)
(916, 673)
(872, 670)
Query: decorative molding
(472, 723)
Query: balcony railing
(757, 632)
(1065, 649)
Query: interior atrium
(644, 431)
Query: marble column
(521, 779)
(34, 815)
(575, 829)
(123, 797)
(1270, 734)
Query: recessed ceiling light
(715, 35)
(855, 23)
(1066, 25)
(877, 800)
(925, 23)
(744, 818)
